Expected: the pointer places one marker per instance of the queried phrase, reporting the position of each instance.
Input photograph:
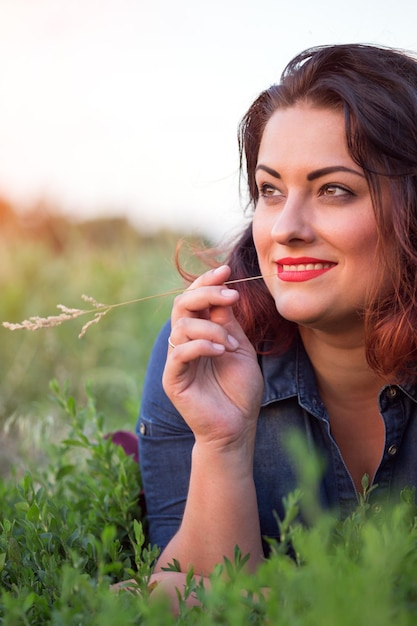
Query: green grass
(54, 262)
(72, 528)
(70, 520)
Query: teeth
(302, 267)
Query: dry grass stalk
(36, 323)
(99, 311)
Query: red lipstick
(300, 269)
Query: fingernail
(233, 343)
(220, 269)
(219, 347)
(229, 293)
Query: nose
(293, 223)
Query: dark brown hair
(376, 89)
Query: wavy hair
(376, 89)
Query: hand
(212, 375)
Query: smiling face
(314, 226)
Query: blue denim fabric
(291, 401)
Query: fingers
(217, 276)
(203, 313)
(206, 292)
(209, 338)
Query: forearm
(221, 512)
(213, 379)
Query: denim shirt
(291, 401)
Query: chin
(298, 315)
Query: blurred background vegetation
(45, 260)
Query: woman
(324, 344)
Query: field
(46, 260)
(71, 521)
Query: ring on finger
(172, 345)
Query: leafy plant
(70, 519)
(72, 527)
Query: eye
(269, 191)
(335, 191)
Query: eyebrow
(312, 175)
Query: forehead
(304, 132)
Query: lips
(302, 268)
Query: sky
(131, 107)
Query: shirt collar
(280, 375)
(291, 374)
(410, 390)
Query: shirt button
(392, 450)
(142, 428)
(391, 392)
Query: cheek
(367, 246)
(357, 240)
(261, 238)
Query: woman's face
(314, 227)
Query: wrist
(230, 459)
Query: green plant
(70, 521)
(71, 528)
(74, 525)
(112, 262)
